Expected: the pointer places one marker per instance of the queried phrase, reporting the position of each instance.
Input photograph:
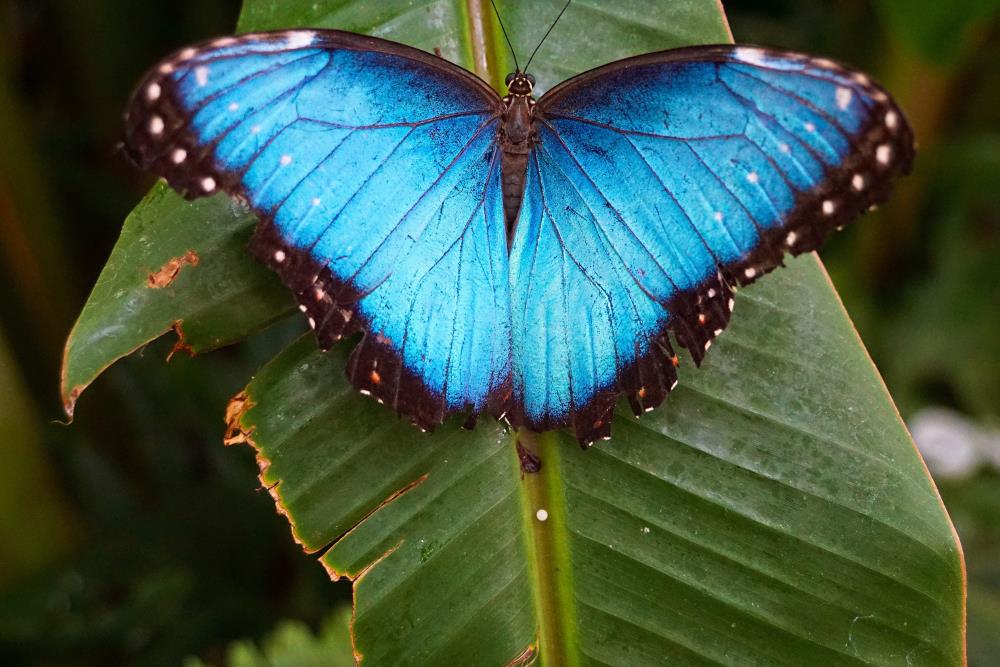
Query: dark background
(134, 537)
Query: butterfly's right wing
(374, 170)
(661, 182)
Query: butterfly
(535, 259)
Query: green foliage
(293, 644)
(774, 509)
(25, 552)
(957, 297)
(939, 31)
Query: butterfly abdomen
(514, 169)
(517, 137)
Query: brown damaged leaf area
(69, 402)
(526, 657)
(168, 274)
(357, 576)
(181, 345)
(335, 574)
(235, 411)
(237, 434)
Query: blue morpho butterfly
(505, 254)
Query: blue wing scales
(659, 185)
(375, 172)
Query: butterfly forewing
(374, 170)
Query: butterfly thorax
(516, 136)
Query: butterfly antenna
(565, 7)
(502, 28)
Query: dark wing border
(700, 314)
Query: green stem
(547, 539)
(487, 50)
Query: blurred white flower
(953, 445)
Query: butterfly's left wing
(657, 185)
(374, 171)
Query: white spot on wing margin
(844, 96)
(201, 74)
(300, 38)
(751, 55)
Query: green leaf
(178, 266)
(773, 511)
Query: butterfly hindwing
(374, 170)
(660, 183)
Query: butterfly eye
(510, 77)
(531, 79)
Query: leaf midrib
(547, 550)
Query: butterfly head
(520, 84)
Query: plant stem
(547, 540)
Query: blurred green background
(134, 537)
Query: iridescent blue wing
(660, 183)
(374, 170)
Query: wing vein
(618, 215)
(849, 136)
(583, 271)
(424, 194)
(762, 115)
(673, 197)
(636, 133)
(208, 99)
(419, 281)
